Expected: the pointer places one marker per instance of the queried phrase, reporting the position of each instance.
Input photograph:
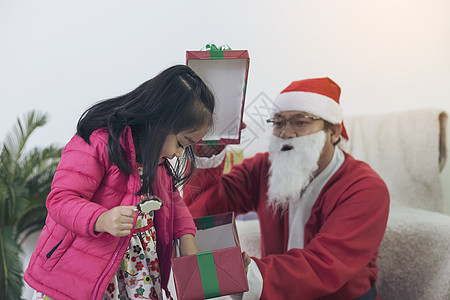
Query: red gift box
(225, 72)
(218, 269)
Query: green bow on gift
(217, 52)
(213, 47)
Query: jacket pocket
(56, 250)
(53, 250)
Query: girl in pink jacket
(114, 208)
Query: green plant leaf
(10, 265)
(16, 139)
(39, 161)
(32, 220)
(25, 181)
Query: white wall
(62, 56)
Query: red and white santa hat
(317, 96)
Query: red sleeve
(211, 192)
(183, 221)
(342, 251)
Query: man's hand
(246, 259)
(208, 151)
(117, 221)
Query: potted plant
(25, 181)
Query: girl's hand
(188, 245)
(117, 221)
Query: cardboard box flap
(218, 269)
(215, 238)
(214, 221)
(216, 232)
(227, 54)
(226, 272)
(190, 283)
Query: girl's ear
(335, 131)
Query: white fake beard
(292, 170)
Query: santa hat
(317, 96)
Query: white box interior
(226, 79)
(215, 238)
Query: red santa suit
(333, 256)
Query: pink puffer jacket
(71, 261)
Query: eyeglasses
(299, 122)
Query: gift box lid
(225, 72)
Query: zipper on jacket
(108, 267)
(121, 242)
(54, 249)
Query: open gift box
(225, 72)
(218, 269)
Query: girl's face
(175, 143)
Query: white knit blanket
(403, 148)
(414, 258)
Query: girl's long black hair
(173, 101)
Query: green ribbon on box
(207, 222)
(216, 52)
(208, 274)
(210, 143)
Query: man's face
(300, 148)
(294, 123)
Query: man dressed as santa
(322, 213)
